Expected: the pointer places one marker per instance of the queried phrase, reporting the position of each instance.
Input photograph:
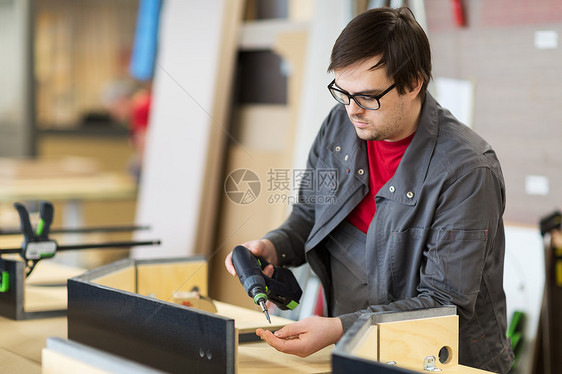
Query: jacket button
(346, 157)
(360, 171)
(391, 189)
(410, 195)
(338, 148)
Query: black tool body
(282, 288)
(249, 272)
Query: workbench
(66, 178)
(77, 186)
(24, 340)
(130, 326)
(20, 350)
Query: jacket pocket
(404, 261)
(455, 259)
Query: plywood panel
(243, 222)
(15, 364)
(247, 321)
(259, 358)
(123, 279)
(425, 337)
(367, 346)
(163, 279)
(40, 298)
(45, 288)
(26, 338)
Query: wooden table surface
(20, 350)
(22, 341)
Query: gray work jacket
(437, 237)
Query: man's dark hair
(393, 34)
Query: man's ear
(415, 88)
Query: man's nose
(353, 108)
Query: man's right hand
(262, 248)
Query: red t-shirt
(384, 158)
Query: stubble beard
(373, 132)
(370, 133)
(388, 129)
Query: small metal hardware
(429, 364)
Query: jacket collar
(406, 184)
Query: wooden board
(27, 338)
(188, 123)
(161, 280)
(368, 345)
(147, 330)
(102, 186)
(42, 295)
(42, 298)
(57, 363)
(48, 272)
(410, 342)
(14, 364)
(45, 288)
(247, 321)
(259, 358)
(123, 279)
(62, 356)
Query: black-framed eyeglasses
(369, 102)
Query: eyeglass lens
(366, 102)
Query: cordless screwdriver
(282, 288)
(250, 275)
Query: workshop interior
(143, 141)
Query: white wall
(524, 284)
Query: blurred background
(195, 118)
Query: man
(417, 218)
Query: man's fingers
(255, 246)
(268, 270)
(229, 265)
(289, 331)
(291, 346)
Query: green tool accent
(47, 255)
(515, 333)
(292, 305)
(259, 296)
(40, 226)
(5, 286)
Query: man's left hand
(304, 337)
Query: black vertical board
(12, 301)
(159, 334)
(345, 365)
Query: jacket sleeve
(290, 238)
(467, 228)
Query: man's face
(398, 114)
